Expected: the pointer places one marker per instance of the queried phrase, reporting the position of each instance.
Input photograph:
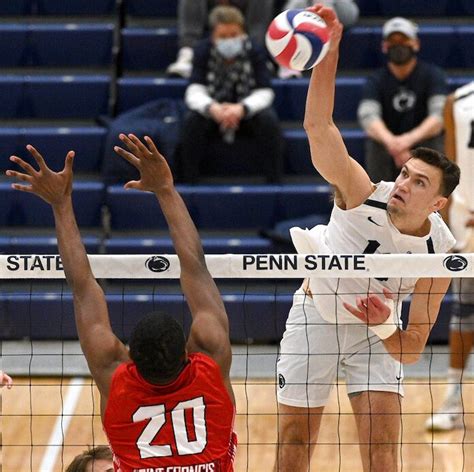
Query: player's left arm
(102, 349)
(407, 346)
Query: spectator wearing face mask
(402, 103)
(192, 19)
(230, 101)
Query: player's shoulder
(464, 91)
(443, 239)
(379, 197)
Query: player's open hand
(372, 310)
(52, 187)
(332, 22)
(5, 380)
(155, 174)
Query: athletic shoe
(448, 417)
(183, 65)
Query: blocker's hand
(371, 310)
(53, 187)
(155, 174)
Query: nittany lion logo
(157, 264)
(281, 381)
(455, 263)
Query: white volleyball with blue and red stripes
(298, 39)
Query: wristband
(389, 326)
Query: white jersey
(463, 195)
(366, 229)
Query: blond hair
(226, 15)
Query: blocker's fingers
(128, 156)
(69, 160)
(18, 175)
(353, 310)
(151, 145)
(388, 294)
(143, 149)
(24, 165)
(22, 188)
(37, 156)
(131, 184)
(129, 143)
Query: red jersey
(184, 426)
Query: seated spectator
(230, 98)
(97, 459)
(192, 20)
(402, 103)
(346, 10)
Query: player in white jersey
(354, 324)
(459, 145)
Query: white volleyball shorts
(314, 353)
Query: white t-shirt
(366, 229)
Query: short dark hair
(80, 462)
(449, 169)
(157, 347)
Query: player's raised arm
(210, 327)
(5, 380)
(102, 349)
(328, 151)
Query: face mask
(231, 47)
(400, 54)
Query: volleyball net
(53, 411)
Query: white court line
(61, 426)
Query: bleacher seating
(27, 210)
(45, 96)
(252, 317)
(246, 207)
(54, 143)
(211, 245)
(148, 44)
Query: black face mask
(400, 54)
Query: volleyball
(298, 39)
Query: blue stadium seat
(298, 157)
(220, 207)
(12, 96)
(4, 244)
(46, 245)
(369, 7)
(24, 209)
(45, 96)
(456, 82)
(413, 8)
(215, 245)
(465, 40)
(148, 8)
(13, 44)
(437, 45)
(131, 209)
(54, 143)
(81, 44)
(16, 7)
(360, 48)
(135, 91)
(75, 7)
(234, 207)
(295, 201)
(67, 96)
(148, 49)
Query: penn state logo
(281, 381)
(455, 263)
(157, 263)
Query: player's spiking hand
(5, 380)
(332, 22)
(53, 187)
(155, 174)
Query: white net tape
(255, 266)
